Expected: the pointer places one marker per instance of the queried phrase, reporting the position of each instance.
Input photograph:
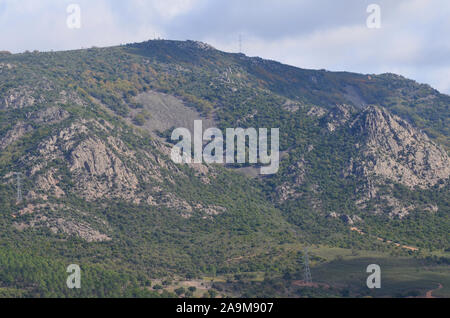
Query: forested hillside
(365, 168)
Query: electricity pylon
(307, 271)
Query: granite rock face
(388, 150)
(392, 149)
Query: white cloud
(170, 9)
(327, 34)
(412, 42)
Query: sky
(413, 38)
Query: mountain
(364, 162)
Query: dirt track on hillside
(430, 293)
(300, 283)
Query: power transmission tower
(19, 188)
(307, 271)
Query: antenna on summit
(240, 42)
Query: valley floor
(342, 274)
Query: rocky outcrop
(60, 225)
(6, 66)
(48, 185)
(26, 95)
(388, 151)
(18, 98)
(97, 170)
(394, 150)
(101, 166)
(49, 115)
(296, 176)
(14, 134)
(350, 220)
(338, 117)
(291, 106)
(57, 219)
(347, 219)
(316, 111)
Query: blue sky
(322, 34)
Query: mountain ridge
(88, 130)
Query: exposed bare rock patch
(70, 98)
(291, 106)
(338, 117)
(167, 112)
(396, 151)
(17, 132)
(317, 111)
(48, 184)
(17, 98)
(296, 176)
(106, 168)
(49, 115)
(98, 170)
(57, 219)
(61, 225)
(26, 95)
(6, 66)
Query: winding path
(430, 293)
